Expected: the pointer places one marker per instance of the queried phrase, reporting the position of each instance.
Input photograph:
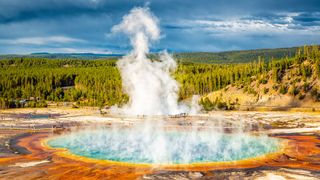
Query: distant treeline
(226, 57)
(244, 56)
(30, 81)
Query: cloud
(202, 25)
(265, 26)
(41, 40)
(80, 50)
(240, 26)
(11, 49)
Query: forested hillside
(31, 82)
(285, 83)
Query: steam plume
(148, 83)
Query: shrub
(263, 81)
(314, 91)
(283, 90)
(275, 87)
(301, 96)
(207, 104)
(293, 90)
(31, 104)
(222, 105)
(306, 87)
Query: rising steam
(148, 83)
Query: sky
(84, 26)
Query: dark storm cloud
(17, 10)
(308, 19)
(203, 25)
(169, 26)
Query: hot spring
(164, 147)
(153, 91)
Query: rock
(195, 175)
(285, 157)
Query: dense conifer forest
(235, 56)
(34, 81)
(244, 56)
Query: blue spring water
(165, 147)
